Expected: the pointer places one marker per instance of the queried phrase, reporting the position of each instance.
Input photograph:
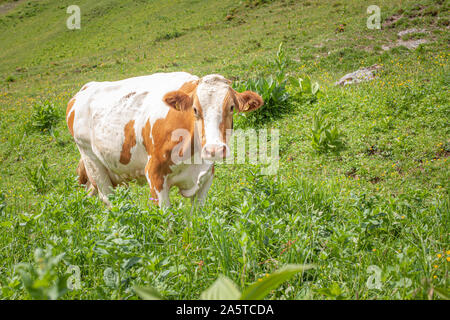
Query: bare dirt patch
(391, 20)
(411, 44)
(8, 6)
(411, 31)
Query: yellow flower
(448, 259)
(435, 266)
(439, 255)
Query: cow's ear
(249, 101)
(178, 100)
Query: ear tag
(246, 107)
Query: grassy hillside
(381, 201)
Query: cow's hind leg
(99, 176)
(83, 179)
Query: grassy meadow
(371, 213)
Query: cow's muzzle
(215, 152)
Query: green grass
(381, 201)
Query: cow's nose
(214, 151)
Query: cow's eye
(231, 108)
(195, 111)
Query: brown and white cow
(134, 129)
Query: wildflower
(435, 266)
(439, 255)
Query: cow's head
(212, 102)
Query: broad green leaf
(262, 287)
(314, 88)
(127, 264)
(444, 294)
(148, 293)
(306, 85)
(110, 277)
(222, 289)
(328, 134)
(294, 82)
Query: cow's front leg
(203, 191)
(163, 197)
(157, 182)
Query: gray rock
(364, 74)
